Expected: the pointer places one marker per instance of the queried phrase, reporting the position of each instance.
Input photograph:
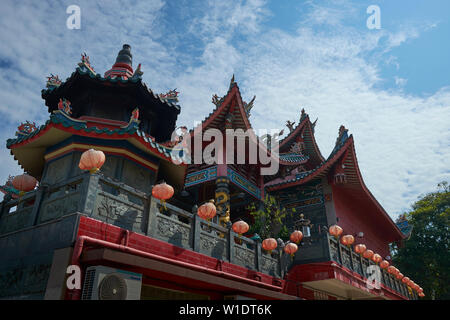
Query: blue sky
(390, 87)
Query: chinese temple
(129, 243)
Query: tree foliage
(425, 257)
(269, 218)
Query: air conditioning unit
(237, 297)
(104, 283)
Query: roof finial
(123, 65)
(232, 82)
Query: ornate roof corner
(290, 125)
(85, 64)
(137, 73)
(53, 82)
(249, 106)
(216, 100)
(171, 96)
(26, 128)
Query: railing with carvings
(189, 231)
(353, 261)
(116, 203)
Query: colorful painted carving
(26, 128)
(170, 96)
(135, 115)
(53, 81)
(64, 106)
(86, 63)
(249, 106)
(343, 135)
(222, 196)
(138, 72)
(216, 100)
(290, 125)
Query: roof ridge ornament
(303, 115)
(85, 63)
(343, 135)
(290, 125)
(26, 128)
(249, 106)
(216, 100)
(53, 81)
(64, 105)
(232, 82)
(138, 72)
(170, 96)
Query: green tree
(425, 256)
(269, 218)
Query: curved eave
(323, 171)
(313, 148)
(52, 95)
(221, 108)
(51, 133)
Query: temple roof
(52, 94)
(29, 148)
(341, 164)
(303, 132)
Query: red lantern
(399, 276)
(421, 295)
(207, 210)
(24, 183)
(410, 283)
(420, 289)
(291, 248)
(376, 258)
(391, 270)
(296, 236)
(92, 160)
(163, 192)
(360, 248)
(335, 231)
(384, 264)
(240, 227)
(405, 280)
(269, 244)
(368, 254)
(347, 240)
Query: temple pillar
(222, 198)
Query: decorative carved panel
(53, 209)
(244, 257)
(173, 232)
(269, 265)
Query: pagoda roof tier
(84, 85)
(342, 160)
(53, 94)
(30, 149)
